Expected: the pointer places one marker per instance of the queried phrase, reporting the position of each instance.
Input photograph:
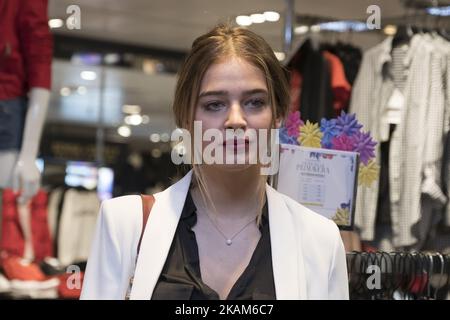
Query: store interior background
(110, 116)
(142, 44)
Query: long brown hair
(225, 41)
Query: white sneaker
(5, 285)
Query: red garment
(40, 231)
(339, 84)
(296, 90)
(12, 241)
(26, 47)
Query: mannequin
(25, 77)
(18, 170)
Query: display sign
(323, 180)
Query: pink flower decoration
(293, 124)
(343, 142)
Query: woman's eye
(213, 106)
(256, 103)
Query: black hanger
(397, 272)
(389, 276)
(403, 35)
(441, 269)
(409, 273)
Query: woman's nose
(236, 118)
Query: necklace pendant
(229, 242)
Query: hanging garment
(446, 173)
(12, 240)
(315, 96)
(416, 144)
(53, 207)
(295, 92)
(446, 178)
(42, 241)
(340, 87)
(77, 225)
(349, 55)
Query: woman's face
(234, 95)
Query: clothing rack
(398, 275)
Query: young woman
(221, 232)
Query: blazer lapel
(287, 256)
(157, 239)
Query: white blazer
(308, 256)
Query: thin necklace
(229, 240)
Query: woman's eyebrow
(213, 93)
(224, 93)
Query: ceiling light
(111, 58)
(55, 23)
(145, 119)
(131, 109)
(315, 28)
(88, 75)
(441, 11)
(165, 137)
(124, 131)
(243, 21)
(133, 120)
(257, 18)
(82, 90)
(271, 16)
(343, 26)
(390, 30)
(65, 91)
(154, 137)
(301, 29)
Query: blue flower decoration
(329, 130)
(347, 124)
(286, 138)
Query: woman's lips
(236, 143)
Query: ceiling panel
(153, 93)
(174, 24)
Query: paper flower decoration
(347, 124)
(368, 173)
(293, 124)
(364, 144)
(343, 142)
(286, 138)
(342, 217)
(329, 130)
(343, 133)
(310, 135)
